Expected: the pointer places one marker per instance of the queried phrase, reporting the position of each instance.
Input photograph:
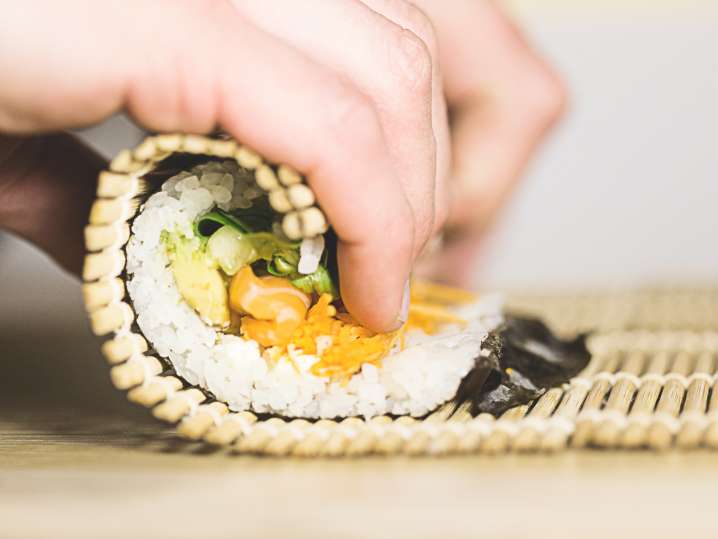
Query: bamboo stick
(292, 226)
(300, 196)
(471, 431)
(341, 436)
(533, 427)
(693, 416)
(145, 151)
(267, 179)
(499, 439)
(223, 148)
(594, 400)
(247, 158)
(364, 441)
(607, 432)
(260, 436)
(315, 436)
(101, 293)
(122, 347)
(124, 162)
(107, 211)
(711, 433)
(105, 264)
(179, 405)
(115, 185)
(195, 144)
(99, 237)
(230, 428)
(194, 427)
(444, 442)
(561, 424)
(660, 433)
(155, 391)
(645, 401)
(313, 222)
(135, 371)
(111, 318)
(288, 176)
(279, 200)
(392, 438)
(292, 433)
(170, 142)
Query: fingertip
(374, 291)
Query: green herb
(284, 263)
(210, 222)
(231, 249)
(319, 282)
(280, 257)
(268, 245)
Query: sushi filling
(243, 276)
(243, 311)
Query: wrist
(47, 184)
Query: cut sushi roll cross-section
(231, 273)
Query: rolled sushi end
(243, 308)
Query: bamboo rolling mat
(649, 383)
(651, 377)
(649, 386)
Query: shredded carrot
(349, 345)
(429, 318)
(352, 345)
(425, 291)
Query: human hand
(347, 94)
(502, 98)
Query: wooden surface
(77, 460)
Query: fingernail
(405, 299)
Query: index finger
(295, 111)
(260, 90)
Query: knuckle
(420, 23)
(425, 229)
(404, 242)
(413, 61)
(402, 231)
(351, 115)
(546, 94)
(441, 214)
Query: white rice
(414, 381)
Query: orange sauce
(274, 307)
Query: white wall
(625, 192)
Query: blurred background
(622, 194)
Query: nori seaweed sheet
(517, 363)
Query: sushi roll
(217, 270)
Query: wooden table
(77, 460)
